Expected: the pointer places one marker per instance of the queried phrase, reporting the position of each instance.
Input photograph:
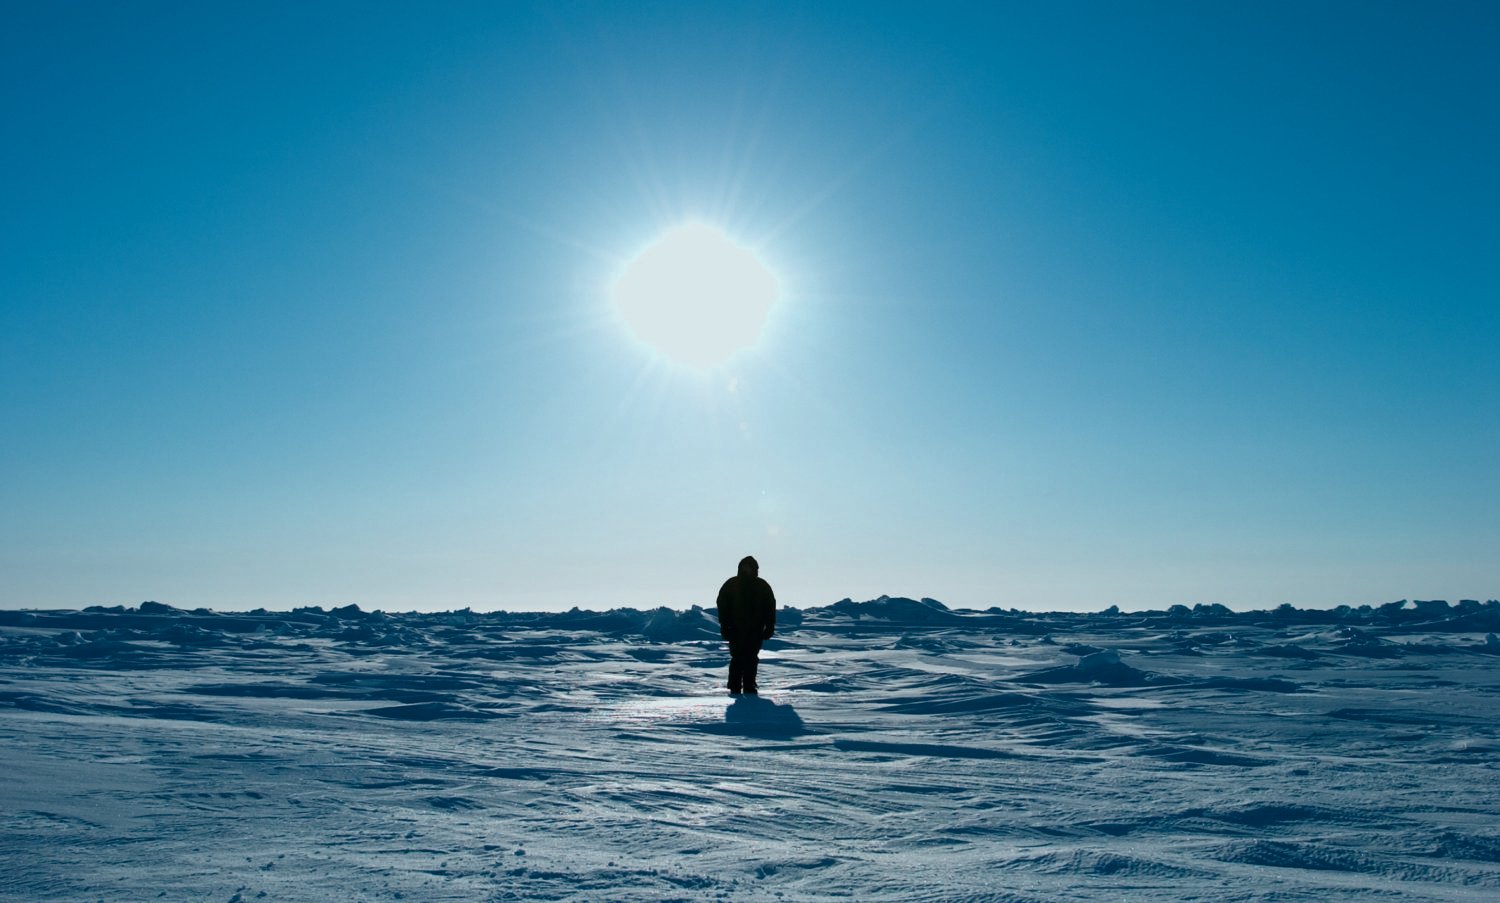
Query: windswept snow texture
(901, 751)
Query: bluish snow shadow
(756, 716)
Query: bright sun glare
(696, 296)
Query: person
(747, 618)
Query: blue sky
(1081, 304)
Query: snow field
(900, 751)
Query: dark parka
(747, 607)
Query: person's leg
(752, 666)
(736, 667)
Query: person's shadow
(756, 716)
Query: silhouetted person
(747, 618)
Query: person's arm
(768, 616)
(722, 604)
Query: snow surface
(902, 751)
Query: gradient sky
(1082, 303)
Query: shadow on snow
(756, 716)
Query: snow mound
(1116, 865)
(665, 625)
(897, 610)
(1289, 651)
(434, 711)
(1103, 668)
(1244, 684)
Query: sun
(696, 296)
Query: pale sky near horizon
(1079, 303)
